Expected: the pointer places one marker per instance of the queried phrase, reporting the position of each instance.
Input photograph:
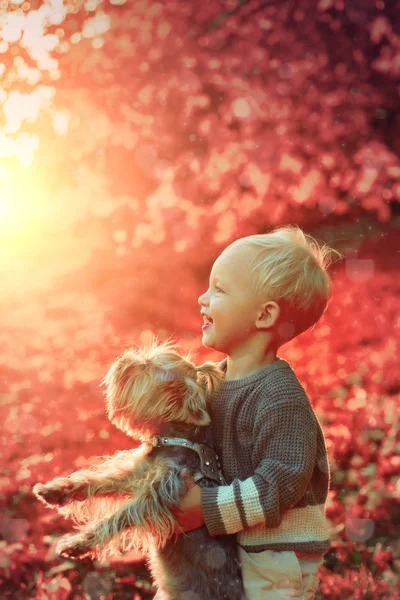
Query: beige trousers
(270, 575)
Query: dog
(129, 501)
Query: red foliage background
(137, 139)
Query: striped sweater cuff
(211, 512)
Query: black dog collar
(209, 464)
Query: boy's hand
(190, 513)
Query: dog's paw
(74, 546)
(57, 492)
(53, 495)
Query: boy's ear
(268, 315)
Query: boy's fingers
(184, 474)
(187, 478)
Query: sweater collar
(233, 384)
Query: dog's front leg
(76, 545)
(149, 513)
(60, 490)
(114, 475)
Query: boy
(264, 290)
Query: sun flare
(9, 216)
(23, 202)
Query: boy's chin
(208, 342)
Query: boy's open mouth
(207, 322)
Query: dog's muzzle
(209, 464)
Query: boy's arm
(284, 448)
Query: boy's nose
(202, 298)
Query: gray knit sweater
(274, 459)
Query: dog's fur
(129, 500)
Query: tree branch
(219, 19)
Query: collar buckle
(156, 442)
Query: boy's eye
(218, 288)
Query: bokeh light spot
(241, 108)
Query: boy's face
(230, 302)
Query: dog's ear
(198, 416)
(185, 402)
(195, 406)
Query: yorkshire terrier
(129, 501)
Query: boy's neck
(244, 366)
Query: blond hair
(146, 385)
(290, 267)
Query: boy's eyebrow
(214, 278)
(217, 278)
